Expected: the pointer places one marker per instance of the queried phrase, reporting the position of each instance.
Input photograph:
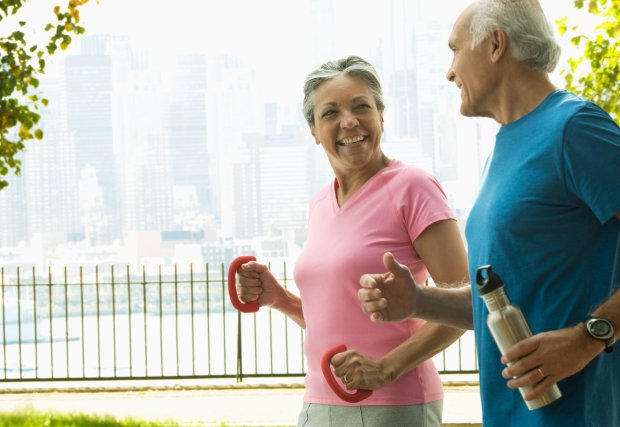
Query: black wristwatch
(602, 330)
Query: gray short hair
(530, 36)
(353, 65)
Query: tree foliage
(21, 65)
(595, 75)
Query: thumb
(338, 359)
(392, 265)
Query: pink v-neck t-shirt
(387, 214)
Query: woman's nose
(349, 121)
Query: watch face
(600, 328)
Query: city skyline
(205, 153)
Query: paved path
(254, 406)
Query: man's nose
(450, 75)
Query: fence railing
(113, 324)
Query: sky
(275, 36)
(244, 26)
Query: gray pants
(424, 415)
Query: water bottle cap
(487, 280)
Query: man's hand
(541, 360)
(391, 296)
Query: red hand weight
(250, 307)
(358, 396)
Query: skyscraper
(188, 127)
(89, 107)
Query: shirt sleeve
(591, 156)
(421, 202)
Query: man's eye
(327, 113)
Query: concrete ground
(248, 405)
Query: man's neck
(520, 93)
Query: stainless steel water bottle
(507, 325)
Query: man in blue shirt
(547, 219)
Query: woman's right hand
(255, 282)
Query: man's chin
(467, 112)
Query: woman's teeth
(349, 141)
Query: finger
(392, 265)
(253, 266)
(369, 295)
(376, 305)
(377, 317)
(530, 378)
(522, 366)
(376, 309)
(249, 290)
(338, 360)
(370, 281)
(520, 350)
(540, 388)
(250, 295)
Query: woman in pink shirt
(374, 205)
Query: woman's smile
(351, 140)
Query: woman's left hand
(357, 371)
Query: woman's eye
(327, 113)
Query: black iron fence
(113, 324)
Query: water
(140, 345)
(153, 346)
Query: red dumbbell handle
(358, 396)
(250, 307)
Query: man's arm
(394, 296)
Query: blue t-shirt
(544, 220)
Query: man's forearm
(429, 340)
(449, 306)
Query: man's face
(472, 69)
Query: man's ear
(499, 44)
(313, 131)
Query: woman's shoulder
(322, 194)
(403, 173)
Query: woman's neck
(348, 183)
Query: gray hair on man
(530, 35)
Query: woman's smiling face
(347, 123)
